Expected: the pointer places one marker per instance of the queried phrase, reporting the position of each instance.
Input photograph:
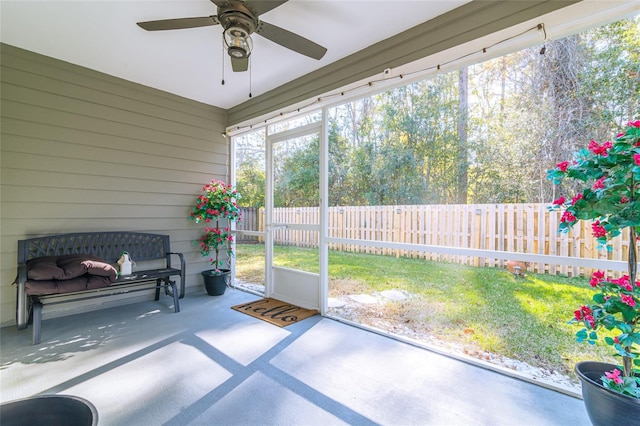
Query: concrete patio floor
(142, 364)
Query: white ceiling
(103, 35)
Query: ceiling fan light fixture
(239, 43)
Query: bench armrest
(182, 270)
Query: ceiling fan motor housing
(239, 22)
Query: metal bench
(149, 249)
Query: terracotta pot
(216, 283)
(605, 407)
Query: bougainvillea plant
(217, 201)
(216, 240)
(610, 199)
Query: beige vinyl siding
(84, 151)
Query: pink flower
(599, 184)
(598, 230)
(567, 216)
(623, 282)
(615, 376)
(559, 201)
(634, 123)
(582, 313)
(576, 198)
(628, 300)
(636, 159)
(624, 199)
(563, 166)
(596, 278)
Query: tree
(251, 184)
(484, 134)
(463, 118)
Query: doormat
(275, 311)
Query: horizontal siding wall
(84, 151)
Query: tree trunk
(463, 119)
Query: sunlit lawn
(486, 308)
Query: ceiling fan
(240, 19)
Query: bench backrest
(105, 245)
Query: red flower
(582, 313)
(623, 282)
(596, 278)
(598, 230)
(634, 123)
(559, 201)
(636, 159)
(598, 149)
(567, 216)
(576, 198)
(599, 184)
(563, 166)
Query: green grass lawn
(486, 309)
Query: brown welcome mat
(274, 311)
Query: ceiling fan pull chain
(222, 61)
(250, 77)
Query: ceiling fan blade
(239, 64)
(260, 6)
(290, 40)
(179, 23)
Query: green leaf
(581, 335)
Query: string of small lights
(371, 83)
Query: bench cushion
(68, 273)
(84, 282)
(67, 267)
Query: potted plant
(217, 202)
(611, 200)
